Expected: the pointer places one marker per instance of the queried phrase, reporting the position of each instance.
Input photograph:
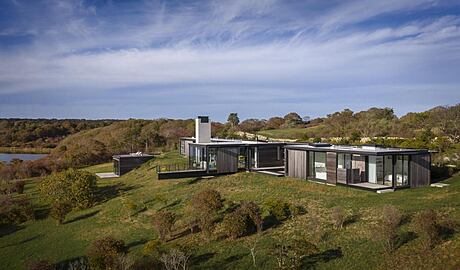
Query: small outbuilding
(126, 163)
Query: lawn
(352, 247)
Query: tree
(233, 119)
(74, 187)
(274, 123)
(292, 119)
(289, 253)
(163, 222)
(448, 120)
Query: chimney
(203, 129)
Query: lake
(4, 157)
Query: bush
(72, 186)
(427, 228)
(59, 211)
(19, 186)
(205, 206)
(338, 217)
(387, 230)
(237, 224)
(163, 223)
(207, 201)
(103, 253)
(40, 265)
(153, 248)
(254, 213)
(278, 209)
(15, 210)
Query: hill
(126, 205)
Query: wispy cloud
(228, 53)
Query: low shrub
(59, 210)
(163, 223)
(338, 217)
(40, 265)
(426, 225)
(15, 209)
(153, 248)
(279, 209)
(387, 228)
(103, 253)
(19, 186)
(244, 220)
(205, 206)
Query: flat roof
(368, 150)
(238, 143)
(131, 155)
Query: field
(352, 247)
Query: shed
(125, 163)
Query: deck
(370, 186)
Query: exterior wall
(126, 164)
(331, 167)
(296, 164)
(227, 159)
(270, 156)
(420, 170)
(203, 129)
(185, 146)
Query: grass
(24, 150)
(350, 248)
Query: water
(4, 157)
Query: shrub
(19, 186)
(205, 206)
(103, 253)
(427, 228)
(208, 201)
(387, 230)
(236, 224)
(163, 223)
(338, 217)
(40, 265)
(278, 209)
(175, 260)
(59, 211)
(254, 213)
(15, 209)
(72, 186)
(153, 247)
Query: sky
(259, 58)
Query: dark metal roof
(364, 150)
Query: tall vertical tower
(202, 129)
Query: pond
(5, 157)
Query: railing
(175, 168)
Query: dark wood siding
(331, 167)
(297, 164)
(227, 160)
(420, 170)
(270, 156)
(126, 164)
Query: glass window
(358, 169)
(311, 164)
(402, 170)
(320, 166)
(212, 159)
(388, 173)
(242, 158)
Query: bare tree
(250, 243)
(175, 260)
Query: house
(125, 163)
(368, 166)
(210, 156)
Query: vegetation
(387, 228)
(426, 225)
(353, 246)
(163, 223)
(104, 253)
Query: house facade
(369, 167)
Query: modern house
(209, 156)
(368, 167)
(125, 163)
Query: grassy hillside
(352, 247)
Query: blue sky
(179, 59)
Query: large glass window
(311, 164)
(402, 170)
(358, 169)
(375, 170)
(388, 170)
(320, 166)
(197, 157)
(242, 158)
(212, 159)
